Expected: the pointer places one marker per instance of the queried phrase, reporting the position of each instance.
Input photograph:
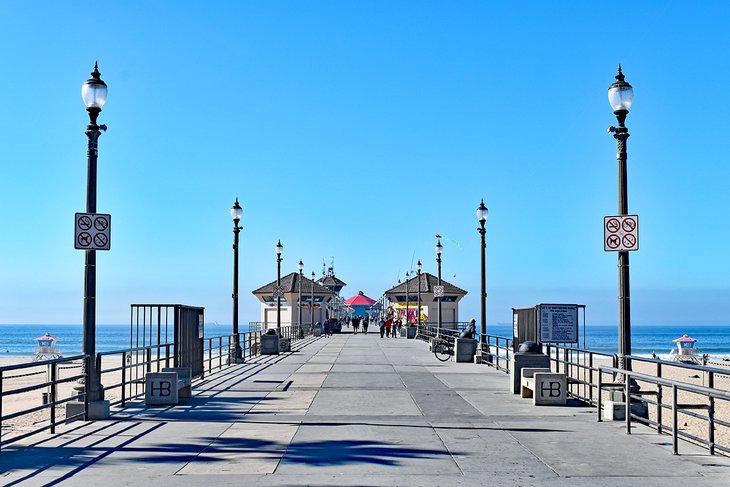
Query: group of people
(357, 321)
(390, 327)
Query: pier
(355, 410)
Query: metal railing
(496, 351)
(128, 372)
(427, 332)
(685, 399)
(582, 369)
(134, 363)
(50, 396)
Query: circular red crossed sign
(629, 224)
(613, 225)
(629, 241)
(613, 241)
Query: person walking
(365, 323)
(388, 325)
(355, 324)
(382, 328)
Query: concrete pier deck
(356, 410)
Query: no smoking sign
(92, 231)
(621, 233)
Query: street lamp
(620, 96)
(482, 214)
(439, 249)
(311, 302)
(408, 302)
(93, 92)
(418, 267)
(301, 275)
(236, 213)
(279, 250)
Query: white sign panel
(92, 231)
(559, 323)
(278, 291)
(438, 291)
(621, 233)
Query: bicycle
(442, 348)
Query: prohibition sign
(84, 223)
(100, 240)
(84, 239)
(613, 225)
(613, 241)
(629, 241)
(101, 223)
(628, 224)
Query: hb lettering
(162, 388)
(552, 389)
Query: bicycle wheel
(442, 351)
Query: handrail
(676, 407)
(137, 349)
(26, 365)
(683, 365)
(51, 401)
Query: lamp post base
(97, 409)
(235, 356)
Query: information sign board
(558, 323)
(438, 291)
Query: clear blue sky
(359, 130)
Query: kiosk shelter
(290, 301)
(402, 300)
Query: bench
(543, 386)
(168, 387)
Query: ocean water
(19, 340)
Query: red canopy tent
(360, 300)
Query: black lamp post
(301, 275)
(418, 267)
(439, 249)
(311, 303)
(620, 96)
(482, 214)
(236, 213)
(279, 250)
(408, 301)
(93, 92)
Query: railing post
(167, 355)
(600, 387)
(124, 379)
(52, 399)
(590, 381)
(627, 395)
(210, 355)
(1, 405)
(85, 373)
(711, 413)
(659, 394)
(148, 359)
(220, 353)
(675, 421)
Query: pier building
(405, 295)
(313, 295)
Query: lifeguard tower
(686, 351)
(46, 348)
